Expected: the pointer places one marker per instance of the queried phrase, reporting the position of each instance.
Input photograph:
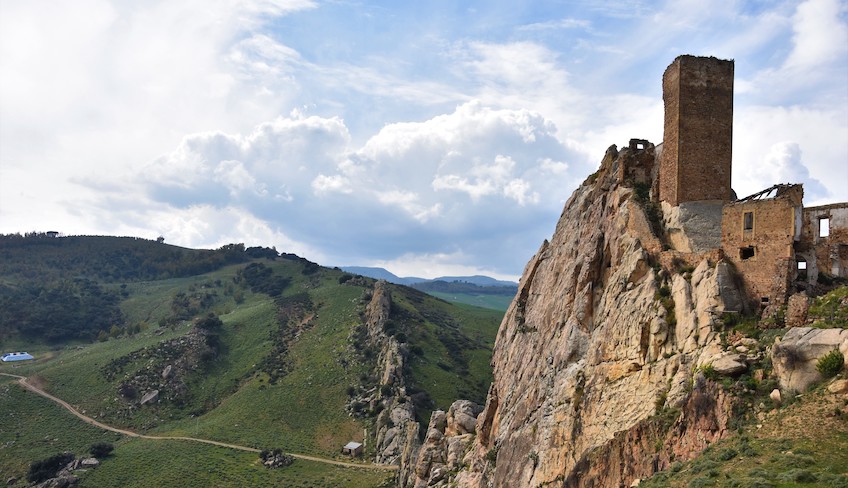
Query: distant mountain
(477, 280)
(381, 274)
(384, 274)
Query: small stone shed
(352, 449)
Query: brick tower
(695, 162)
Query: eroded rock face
(449, 437)
(796, 355)
(598, 338)
(396, 427)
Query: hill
(480, 291)
(266, 352)
(384, 274)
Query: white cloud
(791, 145)
(819, 35)
(783, 163)
(336, 183)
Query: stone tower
(695, 162)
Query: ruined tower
(695, 162)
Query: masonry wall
(829, 254)
(764, 255)
(695, 164)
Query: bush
(727, 454)
(47, 468)
(101, 449)
(798, 476)
(831, 363)
(492, 455)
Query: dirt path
(22, 380)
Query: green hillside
(258, 352)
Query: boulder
(775, 396)
(838, 386)
(796, 355)
(729, 364)
(150, 397)
(439, 420)
(89, 463)
(462, 417)
(166, 373)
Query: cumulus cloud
(422, 188)
(819, 36)
(791, 145)
(275, 162)
(782, 163)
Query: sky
(430, 138)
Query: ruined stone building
(777, 246)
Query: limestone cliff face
(396, 429)
(599, 338)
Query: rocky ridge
(396, 431)
(607, 330)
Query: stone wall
(764, 253)
(697, 145)
(829, 254)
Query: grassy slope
(141, 463)
(36, 428)
(303, 412)
(438, 371)
(33, 428)
(494, 302)
(802, 444)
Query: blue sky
(430, 138)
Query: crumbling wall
(758, 237)
(638, 162)
(698, 134)
(828, 255)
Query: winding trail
(22, 380)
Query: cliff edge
(606, 332)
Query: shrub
(831, 363)
(700, 482)
(101, 449)
(727, 454)
(798, 476)
(47, 468)
(492, 455)
(709, 372)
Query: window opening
(746, 252)
(802, 269)
(748, 221)
(824, 226)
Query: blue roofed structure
(16, 356)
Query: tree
(101, 449)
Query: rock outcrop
(396, 429)
(606, 331)
(796, 355)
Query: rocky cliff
(395, 426)
(599, 348)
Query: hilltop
(661, 324)
(239, 345)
